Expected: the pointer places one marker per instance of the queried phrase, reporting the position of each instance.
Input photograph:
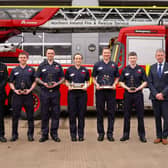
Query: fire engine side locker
(145, 47)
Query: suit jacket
(157, 84)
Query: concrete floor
(87, 154)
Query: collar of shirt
(77, 68)
(107, 62)
(23, 68)
(158, 64)
(54, 63)
(133, 67)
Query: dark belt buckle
(50, 90)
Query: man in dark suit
(158, 84)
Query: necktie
(160, 70)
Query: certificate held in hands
(78, 86)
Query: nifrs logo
(26, 22)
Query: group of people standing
(50, 75)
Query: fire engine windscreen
(145, 47)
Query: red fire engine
(142, 39)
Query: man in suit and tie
(158, 84)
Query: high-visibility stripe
(147, 69)
(115, 54)
(91, 80)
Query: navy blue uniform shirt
(101, 70)
(77, 75)
(49, 73)
(27, 75)
(3, 77)
(138, 74)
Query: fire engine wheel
(36, 103)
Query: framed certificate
(78, 85)
(106, 87)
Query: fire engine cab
(144, 40)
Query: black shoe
(143, 139)
(124, 138)
(100, 138)
(56, 138)
(43, 139)
(73, 139)
(14, 138)
(3, 139)
(110, 138)
(81, 139)
(30, 138)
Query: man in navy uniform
(22, 82)
(133, 79)
(3, 79)
(77, 80)
(105, 77)
(50, 75)
(158, 84)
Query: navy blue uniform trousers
(50, 107)
(2, 101)
(138, 101)
(105, 96)
(17, 102)
(160, 110)
(77, 102)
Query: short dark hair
(50, 48)
(77, 54)
(24, 53)
(132, 53)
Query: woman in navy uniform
(105, 77)
(50, 75)
(133, 79)
(77, 80)
(22, 82)
(3, 79)
(158, 84)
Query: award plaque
(78, 85)
(50, 79)
(132, 83)
(106, 82)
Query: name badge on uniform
(16, 73)
(83, 71)
(100, 68)
(127, 74)
(112, 65)
(139, 71)
(43, 70)
(72, 74)
(56, 67)
(29, 70)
